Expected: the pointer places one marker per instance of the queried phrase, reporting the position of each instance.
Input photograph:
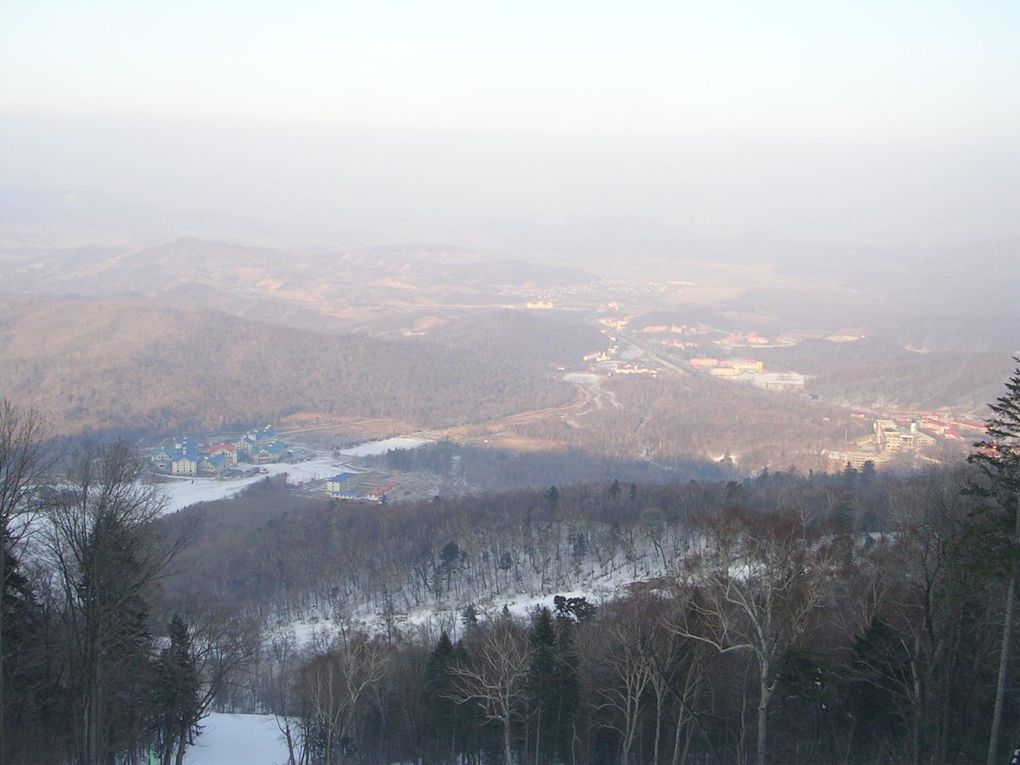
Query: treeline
(287, 556)
(463, 467)
(92, 671)
(786, 633)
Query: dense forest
(124, 367)
(479, 467)
(780, 619)
(666, 419)
(784, 618)
(873, 371)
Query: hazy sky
(858, 120)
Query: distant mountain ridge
(96, 211)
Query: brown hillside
(103, 365)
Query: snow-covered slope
(238, 740)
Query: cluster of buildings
(752, 371)
(893, 437)
(187, 457)
(359, 486)
(742, 338)
(609, 361)
(676, 329)
(952, 427)
(730, 367)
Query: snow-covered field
(182, 492)
(375, 448)
(238, 740)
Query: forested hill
(283, 553)
(876, 371)
(658, 650)
(782, 618)
(124, 366)
(520, 335)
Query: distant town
(897, 437)
(261, 452)
(188, 458)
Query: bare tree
(495, 677)
(636, 650)
(333, 686)
(914, 619)
(106, 556)
(219, 646)
(757, 589)
(24, 463)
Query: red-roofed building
(228, 450)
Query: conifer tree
(998, 458)
(178, 703)
(542, 679)
(440, 710)
(568, 689)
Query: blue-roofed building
(185, 458)
(339, 485)
(263, 436)
(161, 459)
(262, 455)
(212, 464)
(183, 464)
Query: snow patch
(376, 448)
(238, 740)
(184, 492)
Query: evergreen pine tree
(542, 682)
(552, 500)
(440, 710)
(553, 686)
(178, 705)
(998, 458)
(568, 689)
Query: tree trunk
(676, 736)
(538, 736)
(182, 743)
(3, 655)
(507, 752)
(658, 729)
(1000, 685)
(763, 715)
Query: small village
(906, 439)
(227, 463)
(187, 458)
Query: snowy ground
(182, 492)
(238, 740)
(375, 448)
(321, 629)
